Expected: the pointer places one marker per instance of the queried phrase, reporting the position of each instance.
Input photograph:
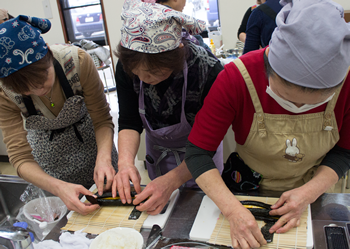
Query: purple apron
(167, 145)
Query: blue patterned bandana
(154, 28)
(21, 43)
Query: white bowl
(118, 238)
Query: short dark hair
(173, 59)
(162, 1)
(31, 76)
(271, 73)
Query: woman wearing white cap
(67, 143)
(289, 106)
(164, 84)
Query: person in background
(162, 80)
(4, 16)
(289, 107)
(260, 25)
(241, 34)
(67, 143)
(179, 5)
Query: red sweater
(229, 102)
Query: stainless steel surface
(11, 188)
(12, 179)
(15, 238)
(329, 209)
(3, 204)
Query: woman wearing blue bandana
(162, 80)
(67, 143)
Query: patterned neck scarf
(163, 108)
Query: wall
(112, 12)
(35, 8)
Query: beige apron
(287, 149)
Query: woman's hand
(103, 169)
(158, 191)
(69, 194)
(121, 182)
(245, 232)
(290, 206)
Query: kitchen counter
(328, 209)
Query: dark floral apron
(65, 147)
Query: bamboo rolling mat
(294, 238)
(104, 219)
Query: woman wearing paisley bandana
(4, 16)
(162, 80)
(67, 143)
(289, 106)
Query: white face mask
(289, 106)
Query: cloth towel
(78, 240)
(92, 48)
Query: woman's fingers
(289, 225)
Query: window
(83, 19)
(206, 10)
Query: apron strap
(327, 121)
(67, 89)
(254, 96)
(28, 102)
(248, 80)
(165, 151)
